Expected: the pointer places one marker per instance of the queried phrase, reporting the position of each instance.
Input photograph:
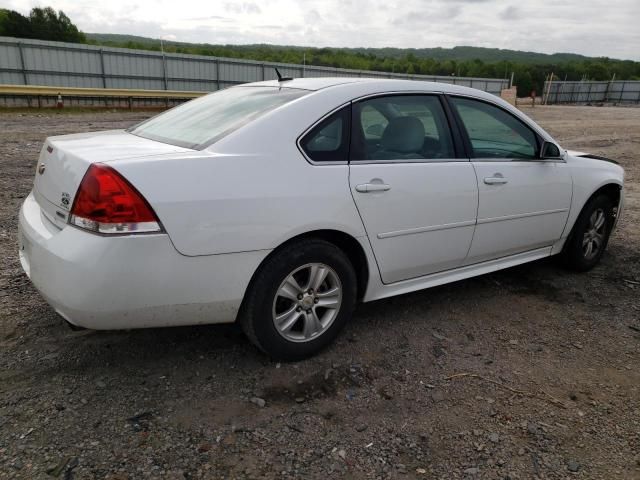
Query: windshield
(202, 121)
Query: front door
(523, 201)
(417, 200)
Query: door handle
(497, 179)
(372, 187)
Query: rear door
(415, 194)
(523, 200)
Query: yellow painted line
(36, 90)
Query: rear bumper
(132, 281)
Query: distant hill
(473, 53)
(438, 53)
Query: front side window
(329, 140)
(495, 133)
(200, 122)
(401, 127)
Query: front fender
(589, 176)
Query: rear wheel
(590, 235)
(300, 299)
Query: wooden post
(549, 88)
(606, 92)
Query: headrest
(403, 135)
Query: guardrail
(50, 96)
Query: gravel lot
(527, 373)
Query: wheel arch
(346, 242)
(611, 189)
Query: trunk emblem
(41, 168)
(49, 149)
(65, 200)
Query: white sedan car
(281, 204)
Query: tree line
(41, 24)
(530, 69)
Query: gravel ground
(526, 373)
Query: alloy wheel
(594, 237)
(307, 302)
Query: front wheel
(299, 300)
(590, 235)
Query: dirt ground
(531, 372)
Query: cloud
(242, 8)
(511, 13)
(428, 17)
(589, 27)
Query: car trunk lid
(65, 159)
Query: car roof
(383, 84)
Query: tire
(284, 315)
(577, 254)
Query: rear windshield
(202, 121)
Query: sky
(593, 28)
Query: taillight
(107, 203)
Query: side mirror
(550, 151)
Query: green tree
(49, 25)
(12, 24)
(42, 24)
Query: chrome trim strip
(393, 93)
(523, 160)
(521, 215)
(410, 160)
(433, 228)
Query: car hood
(577, 154)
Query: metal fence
(618, 92)
(36, 62)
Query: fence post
(217, 62)
(606, 92)
(622, 92)
(102, 71)
(164, 71)
(263, 73)
(23, 67)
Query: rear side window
(329, 140)
(201, 122)
(494, 133)
(401, 127)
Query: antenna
(280, 77)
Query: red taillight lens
(107, 203)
